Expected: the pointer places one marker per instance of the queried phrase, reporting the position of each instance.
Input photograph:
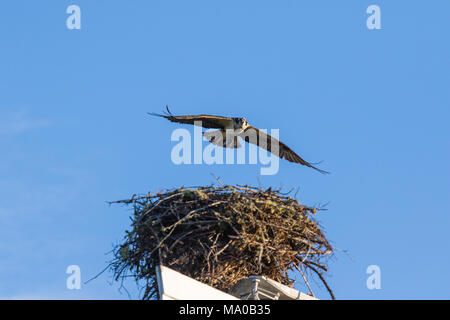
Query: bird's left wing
(207, 121)
(266, 141)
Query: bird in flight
(239, 127)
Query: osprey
(239, 127)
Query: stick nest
(219, 235)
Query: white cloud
(19, 122)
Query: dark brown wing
(207, 121)
(265, 141)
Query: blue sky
(374, 105)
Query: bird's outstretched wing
(265, 141)
(207, 121)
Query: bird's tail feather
(167, 113)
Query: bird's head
(240, 123)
